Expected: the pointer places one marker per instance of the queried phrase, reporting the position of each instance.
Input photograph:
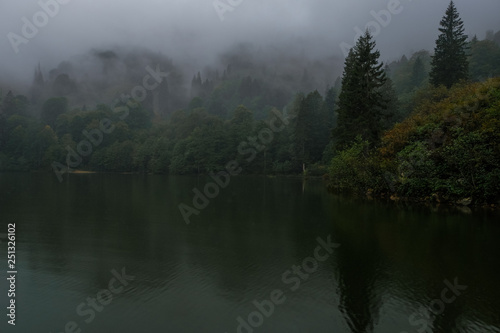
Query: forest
(413, 130)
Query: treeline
(259, 78)
(191, 141)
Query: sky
(195, 31)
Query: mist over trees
(197, 119)
(244, 74)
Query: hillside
(447, 150)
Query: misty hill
(245, 74)
(258, 77)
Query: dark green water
(387, 273)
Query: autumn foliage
(447, 150)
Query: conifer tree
(449, 63)
(360, 100)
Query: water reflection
(200, 278)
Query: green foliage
(152, 156)
(418, 74)
(410, 74)
(195, 103)
(14, 105)
(311, 123)
(361, 101)
(182, 161)
(484, 60)
(449, 63)
(27, 143)
(355, 169)
(416, 170)
(282, 168)
(450, 146)
(221, 96)
(138, 118)
(448, 149)
(53, 108)
(115, 158)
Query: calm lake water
(394, 269)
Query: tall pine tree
(449, 63)
(360, 101)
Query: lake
(113, 253)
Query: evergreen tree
(418, 73)
(449, 63)
(497, 38)
(337, 87)
(300, 125)
(361, 101)
(14, 105)
(317, 133)
(329, 108)
(390, 106)
(484, 60)
(53, 108)
(8, 105)
(196, 86)
(310, 128)
(37, 88)
(240, 127)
